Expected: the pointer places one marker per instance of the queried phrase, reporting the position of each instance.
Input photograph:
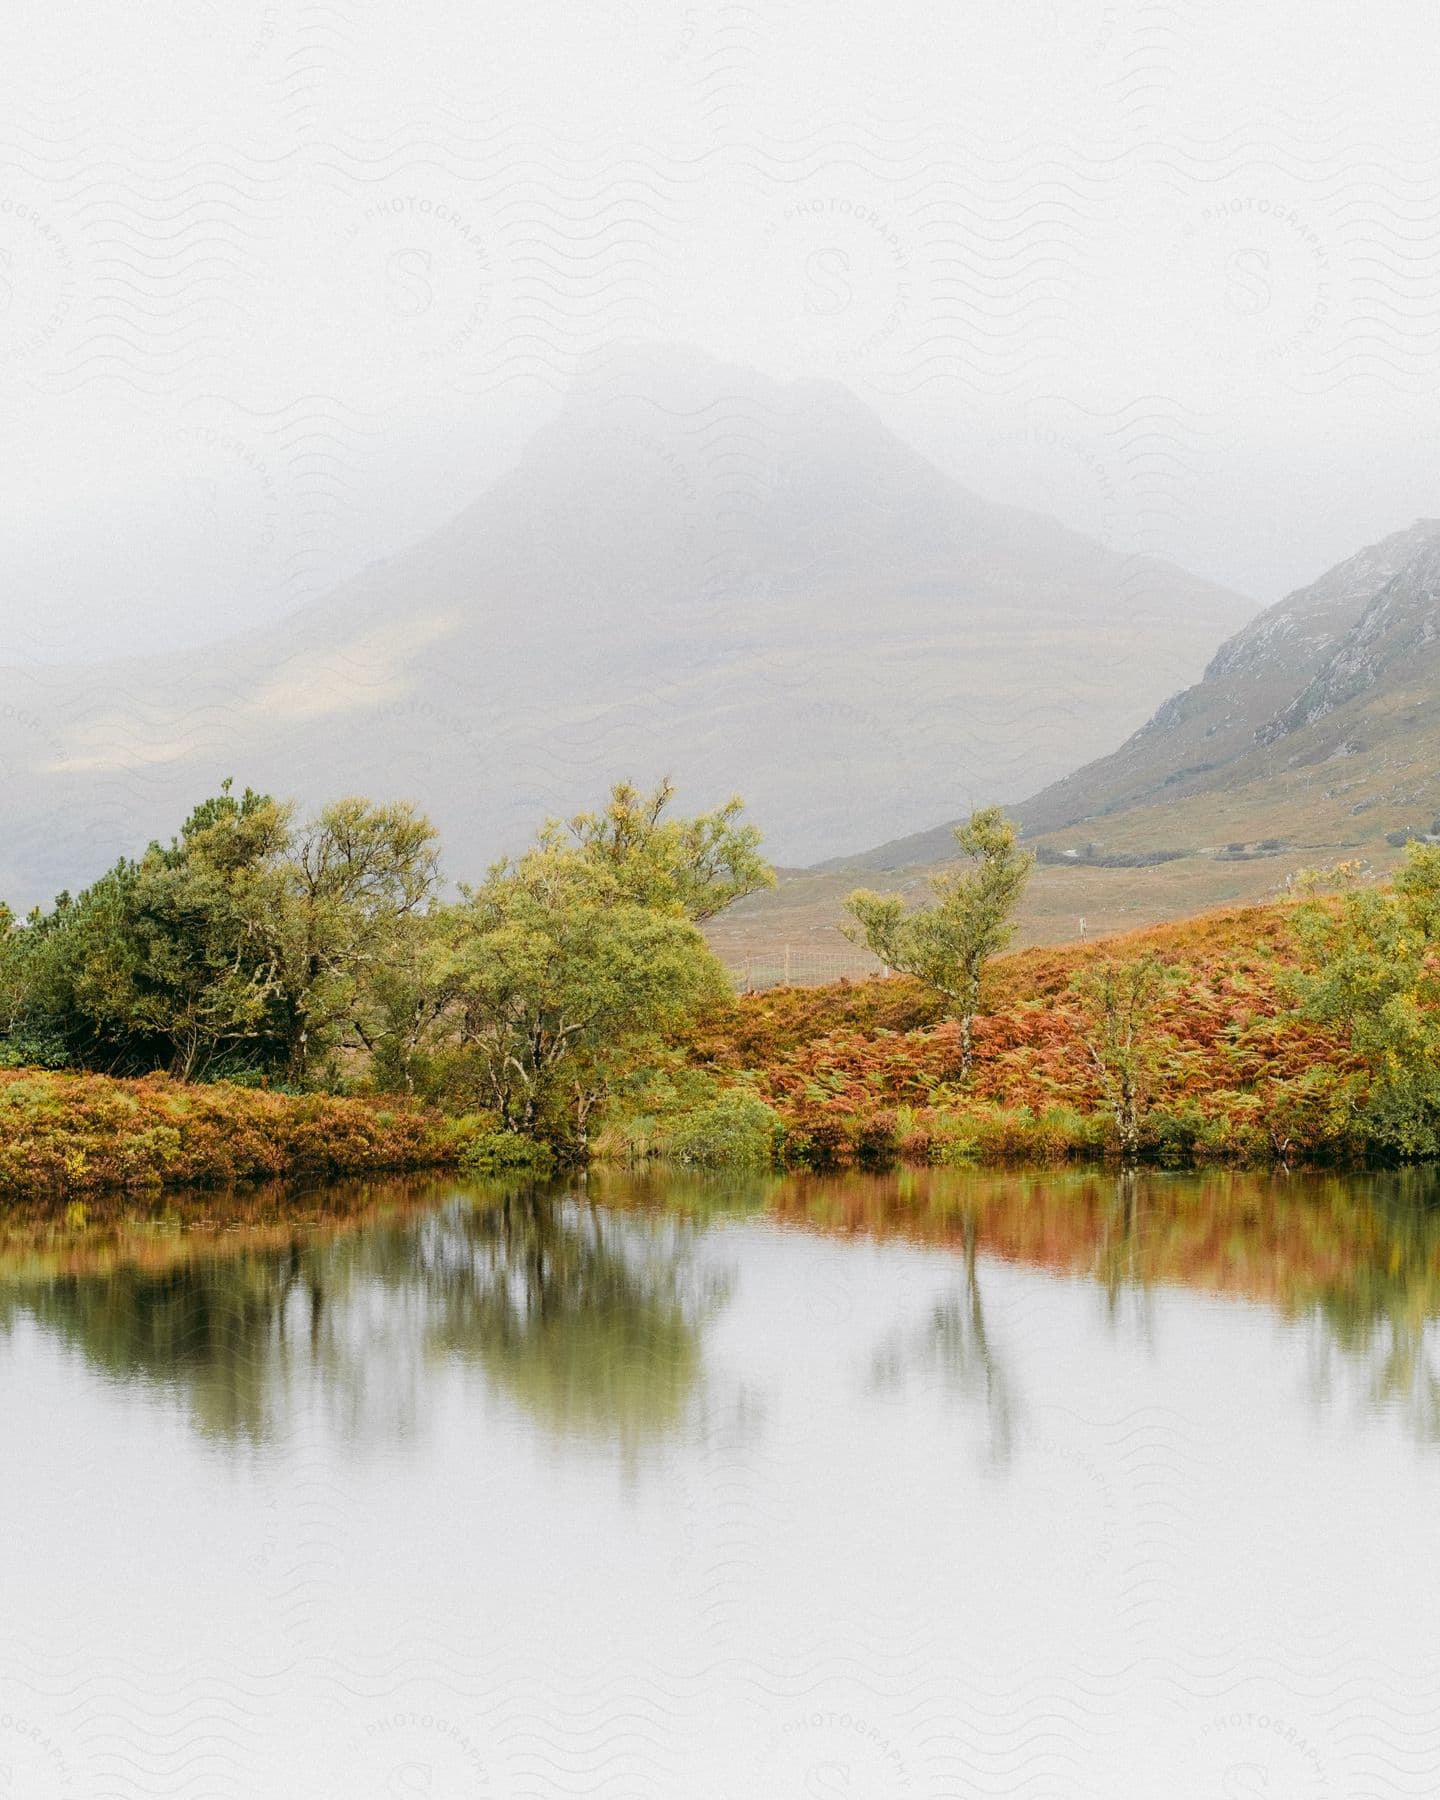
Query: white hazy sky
(282, 287)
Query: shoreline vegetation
(72, 1135)
(264, 1000)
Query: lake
(922, 1484)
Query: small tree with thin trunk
(947, 945)
(561, 981)
(697, 866)
(1120, 1006)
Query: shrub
(820, 1140)
(736, 1130)
(67, 1135)
(492, 1152)
(33, 1047)
(877, 1139)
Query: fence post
(787, 965)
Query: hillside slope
(692, 570)
(1358, 634)
(872, 1071)
(1312, 737)
(1359, 637)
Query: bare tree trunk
(969, 1010)
(184, 1057)
(1128, 1119)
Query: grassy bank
(857, 1074)
(868, 1073)
(73, 1135)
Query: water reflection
(594, 1488)
(591, 1324)
(1379, 1317)
(213, 1330)
(1118, 1265)
(588, 1319)
(587, 1306)
(955, 1344)
(1356, 1255)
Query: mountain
(692, 569)
(1312, 737)
(1345, 649)
(1352, 648)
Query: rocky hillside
(1392, 642)
(1343, 669)
(1313, 737)
(1316, 651)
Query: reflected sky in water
(914, 1484)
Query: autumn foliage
(72, 1135)
(869, 1071)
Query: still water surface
(911, 1485)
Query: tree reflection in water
(591, 1317)
(1355, 1255)
(589, 1320)
(1378, 1319)
(955, 1344)
(1120, 1266)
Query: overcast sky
(282, 287)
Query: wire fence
(797, 965)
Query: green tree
(161, 963)
(561, 977)
(947, 945)
(339, 912)
(699, 865)
(28, 1033)
(1373, 972)
(403, 1003)
(246, 940)
(1120, 1007)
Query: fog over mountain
(1343, 638)
(692, 570)
(1315, 729)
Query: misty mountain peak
(685, 378)
(693, 569)
(645, 394)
